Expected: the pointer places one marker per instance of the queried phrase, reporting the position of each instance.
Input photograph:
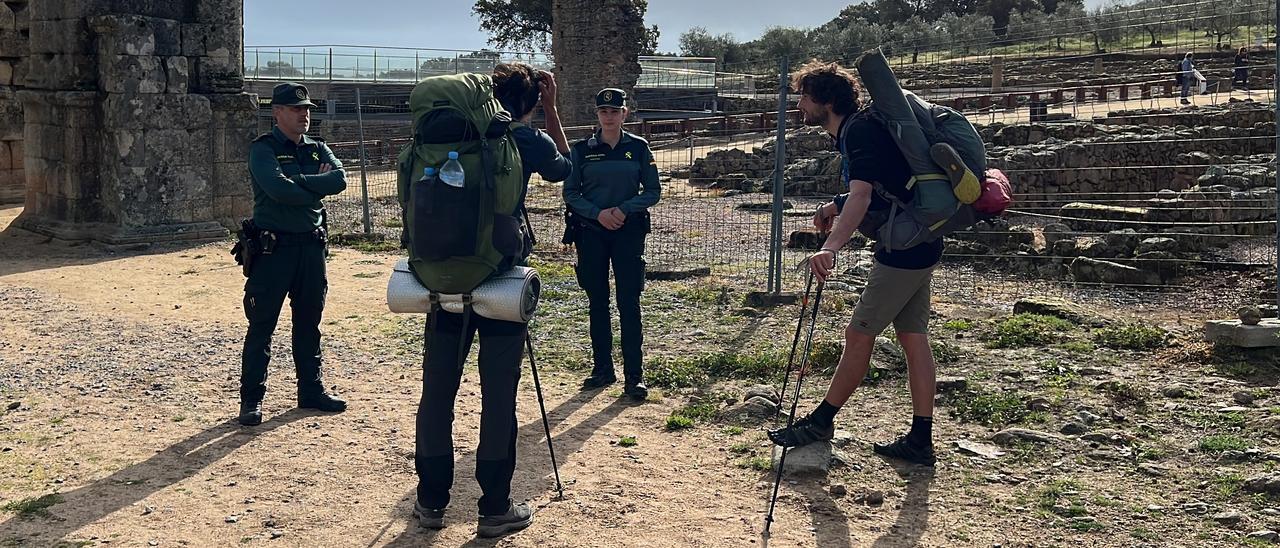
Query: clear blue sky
(448, 24)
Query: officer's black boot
(635, 388)
(250, 413)
(321, 400)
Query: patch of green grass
(1048, 496)
(1217, 443)
(703, 293)
(732, 430)
(1059, 375)
(989, 408)
(57, 420)
(548, 271)
(944, 352)
(1077, 347)
(627, 441)
(825, 355)
(1029, 330)
(33, 506)
(1130, 337)
(1087, 526)
(742, 447)
(392, 222)
(756, 463)
(1143, 534)
(1214, 420)
(705, 410)
(959, 324)
(1227, 485)
(678, 422)
(369, 245)
(179, 418)
(366, 275)
(682, 372)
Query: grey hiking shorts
(894, 295)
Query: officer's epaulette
(637, 137)
(261, 137)
(317, 138)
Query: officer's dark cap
(611, 97)
(290, 94)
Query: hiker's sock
(921, 433)
(824, 414)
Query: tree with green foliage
(916, 34)
(779, 42)
(968, 33)
(698, 42)
(526, 24)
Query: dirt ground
(119, 370)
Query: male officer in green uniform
(613, 184)
(291, 173)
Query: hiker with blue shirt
(608, 195)
(897, 290)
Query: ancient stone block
(194, 39)
(7, 19)
(1233, 333)
(6, 73)
(231, 179)
(11, 121)
(21, 15)
(80, 145)
(169, 147)
(136, 35)
(13, 44)
(177, 74)
(126, 147)
(133, 74)
(219, 12)
(1088, 270)
(62, 36)
(6, 156)
(62, 72)
(13, 186)
(156, 111)
(222, 74)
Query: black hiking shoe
(430, 518)
(636, 390)
(518, 517)
(598, 381)
(250, 413)
(323, 402)
(907, 450)
(802, 432)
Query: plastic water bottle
(451, 172)
(428, 175)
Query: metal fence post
(330, 67)
(779, 163)
(1275, 97)
(364, 178)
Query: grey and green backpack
(459, 237)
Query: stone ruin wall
(15, 25)
(595, 45)
(136, 126)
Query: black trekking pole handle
(795, 400)
(542, 407)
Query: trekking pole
(542, 407)
(791, 359)
(804, 364)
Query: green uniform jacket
(625, 176)
(287, 184)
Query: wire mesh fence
(1127, 191)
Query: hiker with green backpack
(460, 235)
(911, 169)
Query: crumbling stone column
(15, 23)
(136, 128)
(596, 44)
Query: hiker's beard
(816, 118)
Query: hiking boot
(250, 413)
(802, 432)
(430, 518)
(964, 182)
(1186, 102)
(598, 381)
(636, 389)
(905, 449)
(323, 402)
(518, 517)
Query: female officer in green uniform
(613, 184)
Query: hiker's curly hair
(515, 85)
(829, 84)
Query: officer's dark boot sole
(491, 531)
(250, 419)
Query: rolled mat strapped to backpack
(510, 296)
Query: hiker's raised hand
(547, 85)
(824, 217)
(822, 263)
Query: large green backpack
(458, 237)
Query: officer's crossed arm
(573, 190)
(651, 189)
(326, 183)
(266, 172)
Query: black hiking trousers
(295, 268)
(624, 249)
(501, 351)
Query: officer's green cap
(611, 97)
(290, 94)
